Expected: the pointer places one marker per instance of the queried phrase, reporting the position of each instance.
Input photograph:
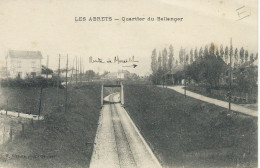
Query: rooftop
(25, 54)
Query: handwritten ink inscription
(243, 12)
(115, 60)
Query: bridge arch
(122, 101)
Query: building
(23, 64)
(114, 76)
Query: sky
(50, 27)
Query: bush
(30, 82)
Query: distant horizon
(88, 67)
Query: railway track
(118, 143)
(125, 155)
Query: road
(118, 143)
(220, 103)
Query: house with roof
(23, 64)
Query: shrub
(30, 82)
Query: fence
(221, 94)
(12, 127)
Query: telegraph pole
(47, 66)
(58, 81)
(72, 72)
(76, 70)
(230, 76)
(66, 96)
(40, 103)
(184, 73)
(6, 66)
(80, 69)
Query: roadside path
(22, 115)
(220, 103)
(118, 143)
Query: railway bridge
(121, 86)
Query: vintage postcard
(136, 84)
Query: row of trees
(207, 65)
(165, 60)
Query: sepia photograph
(129, 84)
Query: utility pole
(80, 69)
(184, 73)
(72, 70)
(76, 70)
(40, 103)
(66, 96)
(6, 66)
(47, 66)
(71, 76)
(58, 81)
(230, 76)
(83, 73)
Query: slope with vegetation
(185, 132)
(62, 139)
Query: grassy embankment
(62, 139)
(191, 133)
(238, 97)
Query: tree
(201, 52)
(187, 59)
(252, 57)
(236, 56)
(160, 61)
(181, 55)
(165, 60)
(212, 50)
(226, 54)
(90, 74)
(207, 71)
(246, 56)
(222, 52)
(154, 62)
(231, 52)
(242, 55)
(196, 55)
(191, 56)
(247, 79)
(171, 58)
(256, 56)
(217, 53)
(206, 51)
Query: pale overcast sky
(50, 27)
